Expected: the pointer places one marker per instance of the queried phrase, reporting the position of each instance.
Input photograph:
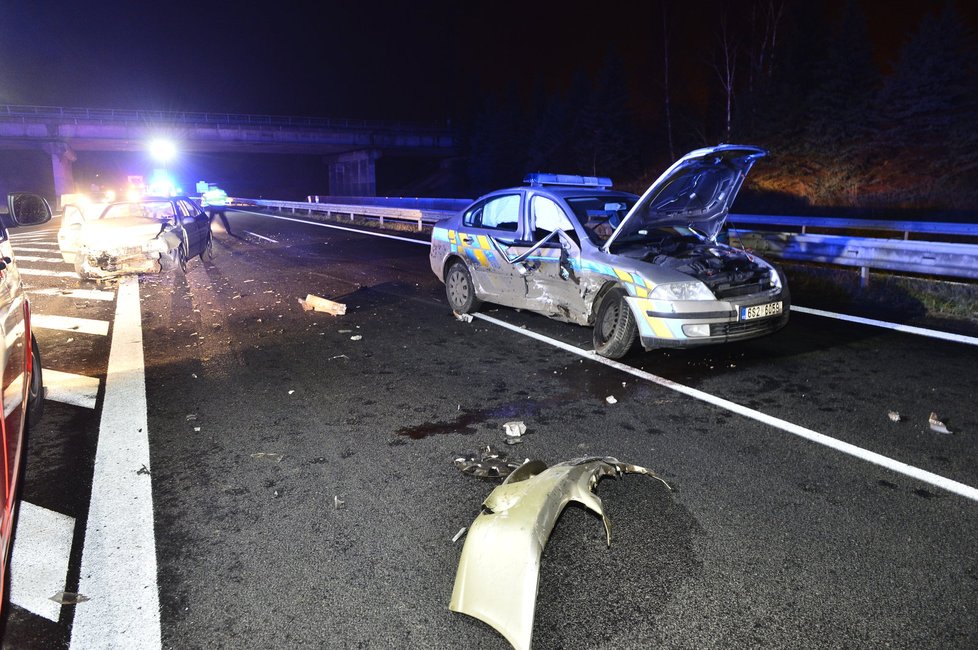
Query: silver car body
(683, 286)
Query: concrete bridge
(350, 146)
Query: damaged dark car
(648, 269)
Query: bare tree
(665, 69)
(726, 70)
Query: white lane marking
(83, 294)
(41, 236)
(45, 272)
(19, 249)
(254, 234)
(908, 470)
(118, 569)
(71, 324)
(907, 329)
(39, 563)
(69, 388)
(39, 242)
(334, 227)
(34, 258)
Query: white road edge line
(907, 329)
(254, 234)
(863, 454)
(958, 338)
(118, 568)
(335, 227)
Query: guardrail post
(863, 276)
(382, 220)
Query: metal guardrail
(190, 117)
(382, 213)
(768, 235)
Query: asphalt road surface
(269, 477)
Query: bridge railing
(894, 245)
(9, 111)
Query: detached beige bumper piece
(499, 570)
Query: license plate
(760, 311)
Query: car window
(185, 209)
(145, 209)
(499, 213)
(600, 215)
(547, 216)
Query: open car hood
(696, 192)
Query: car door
(488, 229)
(552, 269)
(196, 225)
(14, 351)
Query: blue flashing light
(571, 180)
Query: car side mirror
(27, 209)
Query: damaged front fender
(499, 570)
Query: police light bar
(572, 180)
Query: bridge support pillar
(62, 156)
(353, 174)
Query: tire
(460, 290)
(614, 326)
(35, 391)
(208, 252)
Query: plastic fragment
(313, 302)
(269, 455)
(894, 416)
(611, 399)
(514, 429)
(465, 318)
(487, 463)
(356, 337)
(458, 535)
(936, 424)
(338, 503)
(68, 598)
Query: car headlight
(775, 279)
(682, 291)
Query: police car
(644, 268)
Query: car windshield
(600, 215)
(159, 210)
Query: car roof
(563, 191)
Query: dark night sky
(397, 60)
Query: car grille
(733, 291)
(745, 328)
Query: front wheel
(460, 290)
(35, 392)
(614, 326)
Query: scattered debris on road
(68, 598)
(937, 425)
(338, 503)
(262, 455)
(316, 303)
(355, 337)
(142, 470)
(514, 429)
(499, 570)
(611, 399)
(488, 463)
(465, 318)
(458, 535)
(894, 416)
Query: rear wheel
(614, 326)
(460, 290)
(35, 392)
